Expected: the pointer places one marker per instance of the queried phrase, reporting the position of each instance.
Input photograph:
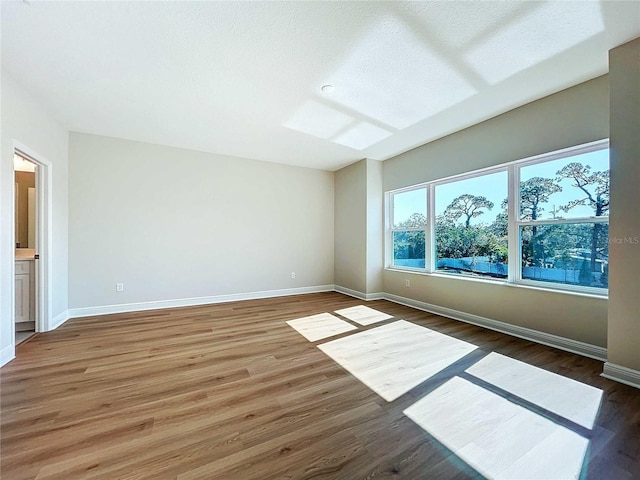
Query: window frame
(514, 246)
(518, 222)
(432, 211)
(391, 229)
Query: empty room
(320, 239)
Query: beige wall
(571, 117)
(26, 121)
(571, 316)
(351, 227)
(375, 227)
(359, 227)
(624, 233)
(24, 181)
(175, 224)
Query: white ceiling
(244, 78)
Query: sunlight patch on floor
(394, 358)
(563, 396)
(363, 315)
(318, 327)
(498, 438)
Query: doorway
(42, 260)
(26, 253)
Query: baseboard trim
(567, 344)
(621, 374)
(357, 294)
(190, 302)
(613, 372)
(7, 354)
(58, 320)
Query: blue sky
(599, 161)
(494, 188)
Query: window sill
(500, 282)
(567, 291)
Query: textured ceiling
(245, 78)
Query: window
(540, 221)
(471, 234)
(563, 226)
(409, 221)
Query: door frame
(44, 239)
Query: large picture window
(564, 220)
(541, 221)
(471, 234)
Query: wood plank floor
(230, 391)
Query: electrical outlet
(407, 283)
(119, 287)
(293, 274)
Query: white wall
(177, 224)
(24, 120)
(571, 117)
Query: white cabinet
(25, 296)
